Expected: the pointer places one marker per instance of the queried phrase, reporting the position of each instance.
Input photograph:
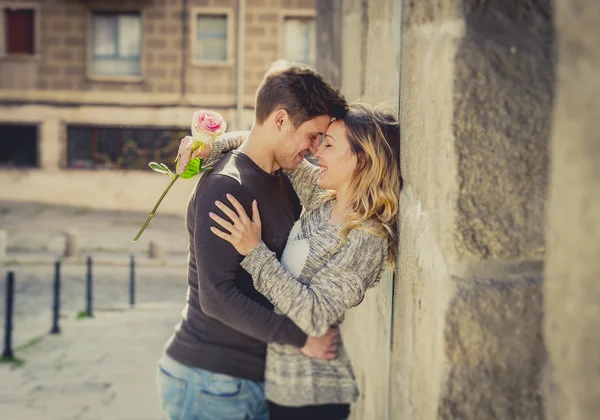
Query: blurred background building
(92, 90)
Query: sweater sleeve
(305, 180)
(218, 263)
(223, 144)
(338, 286)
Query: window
(18, 146)
(20, 31)
(299, 39)
(116, 44)
(212, 38)
(99, 147)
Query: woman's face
(336, 159)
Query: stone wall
(476, 97)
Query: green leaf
(192, 169)
(168, 171)
(158, 167)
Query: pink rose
(207, 125)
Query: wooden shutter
(20, 31)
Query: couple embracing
(279, 249)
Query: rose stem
(151, 215)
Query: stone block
(168, 57)
(81, 28)
(48, 70)
(72, 13)
(78, 70)
(62, 55)
(166, 87)
(268, 17)
(156, 73)
(494, 352)
(50, 41)
(155, 43)
(258, 31)
(74, 41)
(61, 26)
(61, 84)
(503, 98)
(256, 61)
(268, 47)
(305, 4)
(155, 14)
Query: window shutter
(20, 31)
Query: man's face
(297, 143)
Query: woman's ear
(361, 161)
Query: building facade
(92, 90)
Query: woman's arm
(223, 144)
(338, 286)
(305, 180)
(211, 153)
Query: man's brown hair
(299, 90)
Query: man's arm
(217, 264)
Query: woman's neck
(340, 208)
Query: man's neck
(259, 151)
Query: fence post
(8, 326)
(56, 306)
(89, 290)
(155, 251)
(132, 282)
(70, 243)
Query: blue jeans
(188, 393)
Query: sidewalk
(100, 368)
(36, 235)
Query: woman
(335, 252)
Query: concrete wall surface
(367, 328)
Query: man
(213, 365)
